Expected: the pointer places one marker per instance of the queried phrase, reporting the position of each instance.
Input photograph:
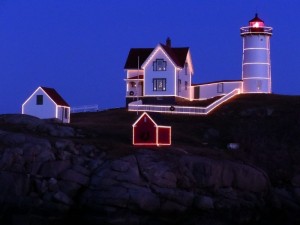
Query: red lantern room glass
(256, 24)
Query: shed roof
(52, 93)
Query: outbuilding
(145, 131)
(46, 103)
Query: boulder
(208, 173)
(54, 168)
(63, 198)
(73, 176)
(204, 202)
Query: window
(179, 85)
(66, 113)
(259, 84)
(185, 85)
(133, 84)
(220, 88)
(186, 68)
(159, 84)
(159, 65)
(39, 99)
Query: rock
(172, 207)
(62, 144)
(144, 199)
(52, 185)
(120, 166)
(113, 196)
(296, 180)
(296, 192)
(208, 173)
(156, 170)
(13, 139)
(81, 169)
(233, 146)
(94, 164)
(74, 176)
(62, 197)
(41, 186)
(286, 199)
(30, 122)
(69, 188)
(54, 168)
(181, 197)
(204, 202)
(15, 184)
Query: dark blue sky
(79, 47)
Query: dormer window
(159, 65)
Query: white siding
(61, 114)
(169, 74)
(185, 77)
(45, 111)
(256, 72)
(215, 89)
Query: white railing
(85, 108)
(256, 30)
(138, 106)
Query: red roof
(137, 56)
(55, 96)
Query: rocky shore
(49, 175)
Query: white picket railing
(85, 108)
(138, 106)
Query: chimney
(168, 42)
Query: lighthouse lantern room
(256, 63)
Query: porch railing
(138, 106)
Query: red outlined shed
(146, 132)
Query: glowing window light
(256, 24)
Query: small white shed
(46, 103)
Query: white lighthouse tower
(256, 67)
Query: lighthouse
(256, 63)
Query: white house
(46, 103)
(163, 75)
(159, 75)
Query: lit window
(220, 88)
(133, 84)
(159, 84)
(159, 65)
(39, 99)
